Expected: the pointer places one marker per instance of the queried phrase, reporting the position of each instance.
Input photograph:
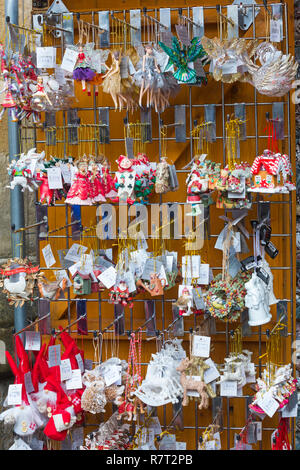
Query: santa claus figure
(184, 302)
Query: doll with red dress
(107, 181)
(125, 180)
(81, 192)
(96, 182)
(46, 194)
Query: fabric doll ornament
(52, 290)
(98, 193)
(125, 180)
(257, 301)
(80, 192)
(82, 71)
(9, 103)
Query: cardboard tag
(14, 396)
(108, 277)
(45, 57)
(268, 404)
(191, 266)
(32, 341)
(75, 252)
(66, 173)
(228, 388)
(65, 370)
(54, 354)
(198, 298)
(258, 426)
(112, 375)
(75, 381)
(48, 256)
(212, 373)
(80, 362)
(69, 60)
(28, 382)
(275, 31)
(201, 346)
(54, 178)
(217, 438)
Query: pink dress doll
(81, 192)
(107, 181)
(82, 71)
(96, 183)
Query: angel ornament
(150, 81)
(83, 71)
(40, 96)
(98, 59)
(114, 84)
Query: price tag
(80, 362)
(45, 57)
(75, 381)
(112, 375)
(28, 382)
(180, 445)
(212, 373)
(228, 388)
(54, 178)
(210, 445)
(14, 396)
(60, 75)
(32, 341)
(66, 173)
(54, 355)
(69, 60)
(62, 274)
(65, 370)
(268, 404)
(108, 277)
(275, 31)
(48, 256)
(75, 252)
(201, 346)
(204, 274)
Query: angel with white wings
(83, 70)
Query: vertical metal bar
(16, 195)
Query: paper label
(54, 178)
(28, 382)
(80, 362)
(268, 404)
(75, 252)
(275, 31)
(108, 277)
(112, 375)
(45, 57)
(75, 381)
(130, 281)
(203, 274)
(201, 346)
(62, 274)
(191, 266)
(212, 373)
(14, 396)
(48, 256)
(54, 355)
(66, 173)
(65, 370)
(217, 438)
(69, 60)
(60, 75)
(228, 388)
(32, 341)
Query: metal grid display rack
(193, 108)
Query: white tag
(217, 438)
(19, 444)
(54, 355)
(129, 279)
(169, 264)
(191, 266)
(112, 375)
(80, 362)
(201, 346)
(212, 373)
(268, 404)
(60, 75)
(293, 413)
(162, 275)
(62, 274)
(45, 57)
(180, 445)
(66, 173)
(275, 35)
(33, 341)
(258, 426)
(75, 252)
(69, 60)
(228, 388)
(210, 445)
(75, 267)
(48, 256)
(14, 396)
(108, 277)
(204, 274)
(65, 370)
(54, 178)
(28, 382)
(75, 381)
